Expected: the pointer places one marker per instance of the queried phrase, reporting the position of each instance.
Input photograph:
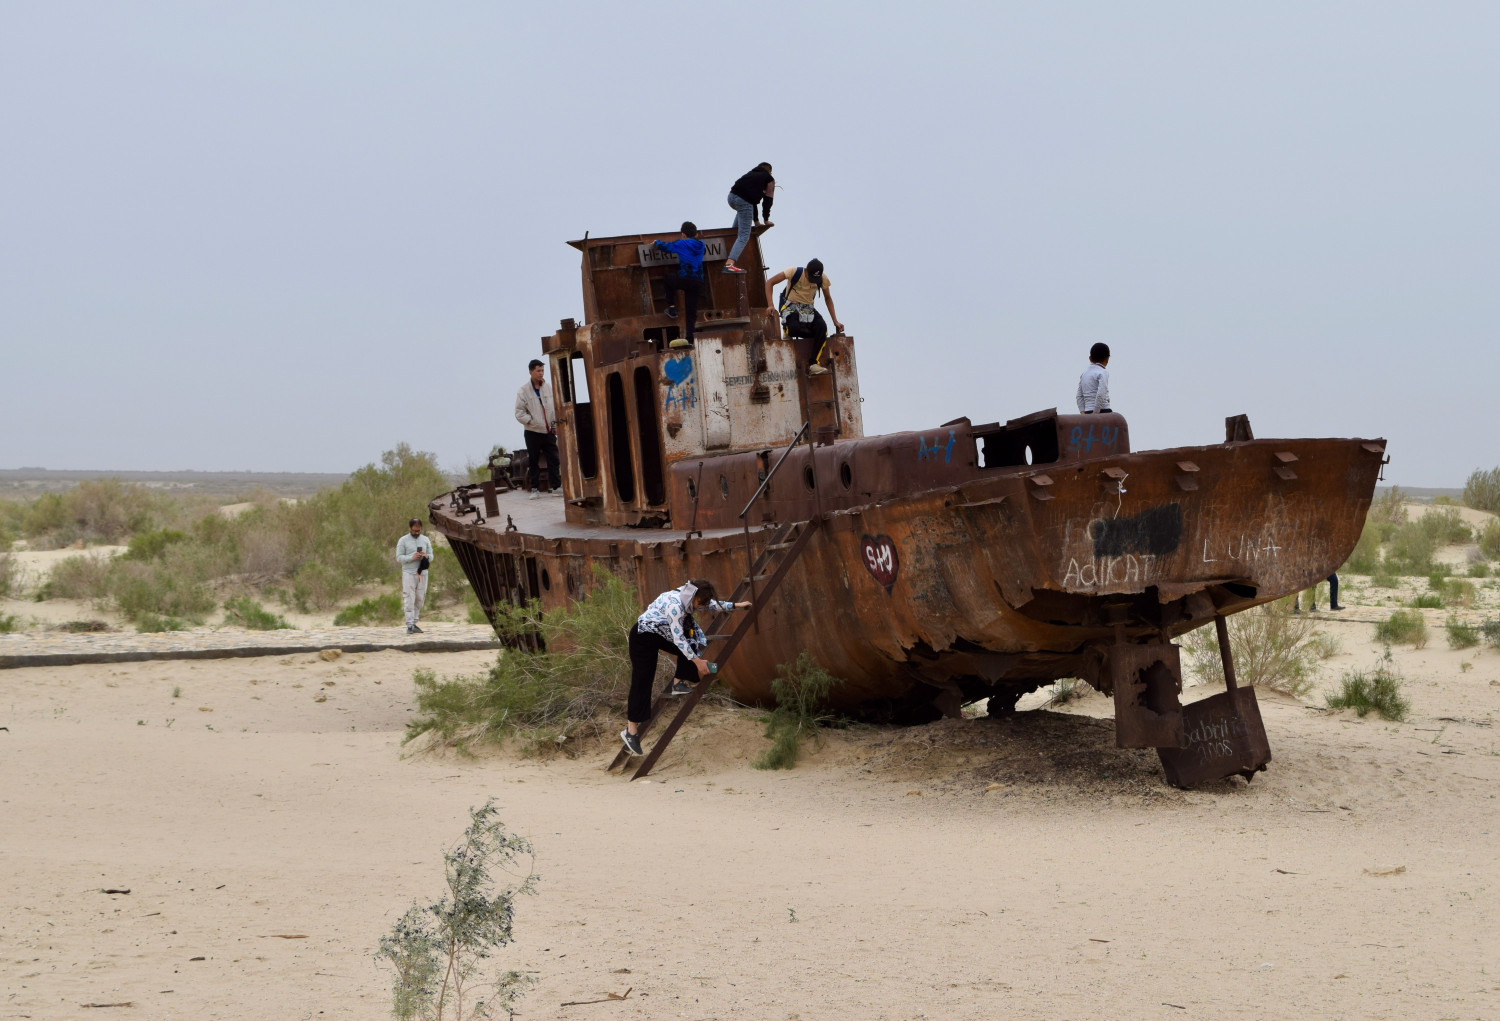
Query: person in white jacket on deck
(1093, 385)
(535, 412)
(414, 554)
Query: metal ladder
(771, 566)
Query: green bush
(1459, 592)
(150, 623)
(1366, 556)
(1405, 627)
(10, 576)
(801, 689)
(1491, 631)
(1410, 549)
(7, 624)
(1447, 526)
(1379, 690)
(1489, 540)
(99, 510)
(1271, 646)
(440, 951)
(154, 591)
(151, 545)
(85, 576)
(583, 675)
(247, 613)
(1461, 635)
(318, 586)
(1482, 491)
(1479, 570)
(382, 609)
(1428, 601)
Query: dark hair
(763, 166)
(705, 590)
(1098, 352)
(413, 521)
(534, 363)
(690, 228)
(814, 269)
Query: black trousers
(538, 446)
(816, 332)
(689, 286)
(644, 648)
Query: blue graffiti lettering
(1108, 436)
(924, 451)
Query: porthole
(1027, 454)
(692, 490)
(845, 475)
(807, 477)
(572, 585)
(723, 487)
(546, 580)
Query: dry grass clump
(382, 609)
(242, 611)
(1460, 635)
(10, 576)
(801, 689)
(85, 576)
(543, 697)
(1272, 648)
(1489, 540)
(1404, 627)
(1377, 690)
(101, 510)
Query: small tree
(440, 950)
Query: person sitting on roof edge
(687, 277)
(1093, 385)
(660, 629)
(754, 186)
(799, 318)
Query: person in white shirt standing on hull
(414, 554)
(534, 411)
(1093, 385)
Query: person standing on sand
(687, 278)
(535, 412)
(661, 629)
(1312, 606)
(414, 554)
(754, 186)
(1093, 385)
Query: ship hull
(993, 586)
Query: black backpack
(781, 299)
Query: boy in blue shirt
(687, 278)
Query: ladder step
(781, 545)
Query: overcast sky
(288, 235)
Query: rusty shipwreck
(928, 568)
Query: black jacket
(752, 188)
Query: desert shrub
(1377, 690)
(1459, 592)
(151, 623)
(1365, 559)
(448, 583)
(440, 951)
(85, 576)
(1389, 509)
(82, 627)
(1479, 569)
(1410, 549)
(801, 689)
(1446, 525)
(151, 545)
(475, 610)
(1482, 491)
(1384, 579)
(10, 576)
(155, 590)
(1066, 690)
(1404, 627)
(245, 612)
(583, 674)
(382, 609)
(320, 587)
(264, 549)
(1427, 601)
(98, 510)
(1491, 631)
(7, 623)
(1489, 540)
(1272, 648)
(1460, 635)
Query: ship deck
(545, 517)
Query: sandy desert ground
(1020, 869)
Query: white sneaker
(536, 494)
(817, 370)
(556, 492)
